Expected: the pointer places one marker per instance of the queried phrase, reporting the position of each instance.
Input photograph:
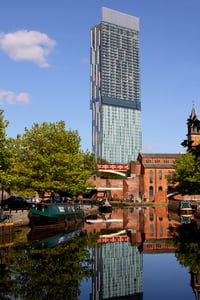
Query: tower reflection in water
(118, 257)
(117, 271)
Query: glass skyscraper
(115, 87)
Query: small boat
(51, 215)
(180, 206)
(185, 207)
(105, 207)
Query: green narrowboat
(51, 215)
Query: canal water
(131, 253)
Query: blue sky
(45, 56)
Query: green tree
(102, 161)
(90, 162)
(4, 153)
(192, 148)
(47, 158)
(186, 178)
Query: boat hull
(55, 215)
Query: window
(151, 229)
(150, 176)
(160, 188)
(148, 161)
(160, 175)
(150, 191)
(151, 216)
(161, 231)
(157, 161)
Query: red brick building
(155, 170)
(142, 179)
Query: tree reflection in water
(187, 241)
(53, 273)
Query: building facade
(145, 177)
(115, 87)
(156, 168)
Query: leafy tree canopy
(47, 158)
(4, 152)
(102, 161)
(186, 177)
(90, 162)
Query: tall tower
(115, 87)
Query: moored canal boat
(59, 215)
(181, 206)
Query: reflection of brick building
(147, 228)
(156, 229)
(144, 178)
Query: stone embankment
(20, 218)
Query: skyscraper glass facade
(115, 87)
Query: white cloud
(27, 45)
(23, 98)
(11, 98)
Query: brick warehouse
(146, 176)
